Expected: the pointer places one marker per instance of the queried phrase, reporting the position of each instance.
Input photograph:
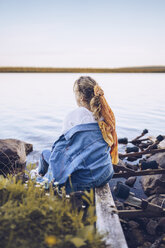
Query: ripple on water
(36, 117)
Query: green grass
(31, 217)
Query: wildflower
(51, 240)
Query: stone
(132, 159)
(119, 205)
(13, 154)
(155, 184)
(163, 239)
(132, 166)
(138, 236)
(147, 244)
(161, 225)
(130, 181)
(156, 243)
(162, 246)
(151, 227)
(133, 224)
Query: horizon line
(134, 69)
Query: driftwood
(133, 214)
(150, 148)
(108, 222)
(127, 174)
(147, 209)
(145, 131)
(136, 154)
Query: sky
(82, 33)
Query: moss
(31, 218)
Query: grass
(32, 217)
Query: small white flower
(56, 183)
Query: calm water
(32, 106)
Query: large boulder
(13, 155)
(155, 184)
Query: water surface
(33, 105)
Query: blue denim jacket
(82, 154)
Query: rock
(135, 234)
(162, 246)
(132, 159)
(119, 205)
(130, 181)
(161, 225)
(146, 244)
(149, 165)
(132, 149)
(163, 239)
(138, 237)
(151, 227)
(156, 243)
(123, 141)
(132, 166)
(143, 222)
(160, 159)
(13, 154)
(155, 184)
(121, 163)
(133, 224)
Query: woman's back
(81, 157)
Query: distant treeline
(154, 69)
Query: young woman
(83, 156)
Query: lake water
(33, 106)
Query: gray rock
(133, 224)
(138, 236)
(130, 181)
(162, 246)
(151, 227)
(147, 244)
(13, 154)
(119, 205)
(161, 225)
(155, 184)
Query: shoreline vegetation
(145, 69)
(32, 216)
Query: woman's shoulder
(80, 115)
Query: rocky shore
(146, 232)
(140, 232)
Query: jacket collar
(81, 128)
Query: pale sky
(82, 33)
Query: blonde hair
(85, 87)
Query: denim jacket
(82, 153)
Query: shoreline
(151, 69)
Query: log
(132, 173)
(108, 222)
(133, 214)
(145, 131)
(134, 154)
